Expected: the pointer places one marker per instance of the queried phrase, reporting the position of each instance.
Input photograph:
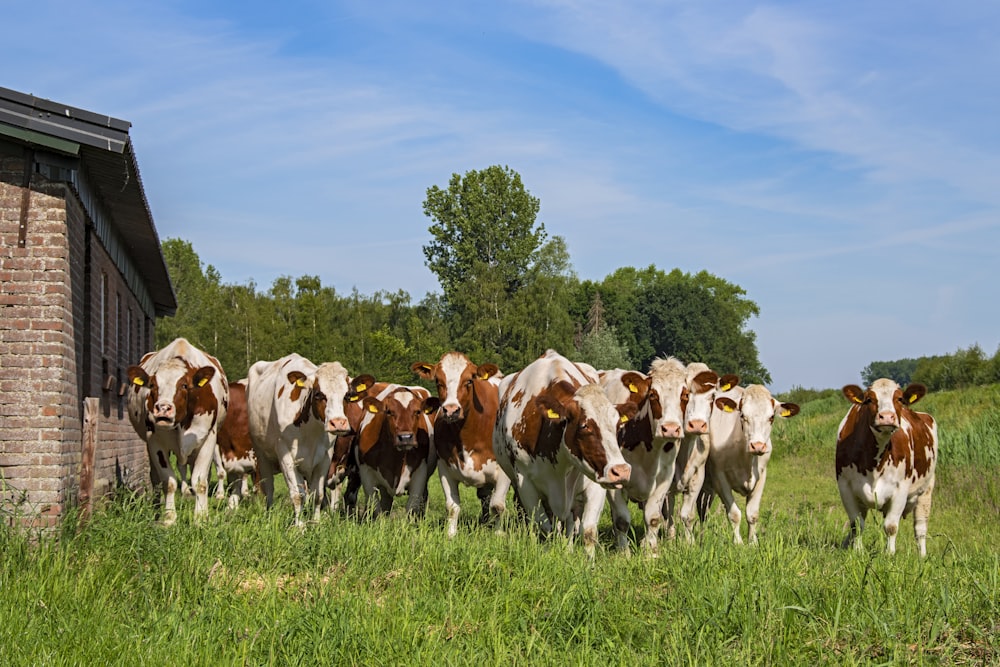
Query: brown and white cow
(177, 403)
(556, 438)
(395, 447)
(463, 434)
(296, 411)
(237, 461)
(343, 480)
(649, 442)
(704, 386)
(740, 433)
(886, 455)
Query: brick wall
(44, 350)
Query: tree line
(965, 368)
(508, 292)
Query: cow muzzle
(615, 476)
(697, 426)
(451, 413)
(758, 448)
(338, 426)
(164, 413)
(671, 430)
(405, 441)
(886, 421)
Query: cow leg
(221, 477)
(921, 513)
(689, 505)
(292, 480)
(592, 508)
(653, 515)
(498, 500)
(532, 502)
(452, 504)
(200, 473)
(621, 519)
(317, 489)
(753, 507)
(416, 503)
(266, 470)
(856, 514)
(732, 510)
(168, 485)
(893, 514)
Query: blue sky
(839, 161)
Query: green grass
(246, 588)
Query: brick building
(82, 280)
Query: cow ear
(854, 393)
(359, 386)
(297, 378)
(727, 382)
(914, 393)
(725, 404)
(787, 410)
(705, 381)
(203, 376)
(423, 369)
(137, 376)
(552, 409)
(637, 385)
(486, 371)
(431, 404)
(626, 412)
(372, 405)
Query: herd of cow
(566, 436)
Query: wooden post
(91, 417)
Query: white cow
(296, 411)
(704, 386)
(177, 403)
(555, 437)
(649, 442)
(741, 447)
(886, 456)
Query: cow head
(401, 415)
(885, 402)
(456, 379)
(176, 391)
(328, 390)
(704, 386)
(757, 410)
(589, 422)
(669, 398)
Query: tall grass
(245, 587)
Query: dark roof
(103, 145)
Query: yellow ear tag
(726, 408)
(632, 388)
(372, 409)
(552, 414)
(202, 382)
(726, 387)
(361, 387)
(857, 399)
(484, 376)
(300, 383)
(623, 419)
(138, 382)
(913, 399)
(786, 413)
(353, 399)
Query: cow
(237, 462)
(704, 386)
(463, 434)
(886, 455)
(343, 480)
(740, 433)
(556, 438)
(649, 442)
(395, 448)
(177, 403)
(296, 412)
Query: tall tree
(484, 246)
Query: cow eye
(319, 396)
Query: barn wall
(47, 362)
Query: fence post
(91, 417)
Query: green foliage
(965, 368)
(602, 350)
(801, 395)
(900, 371)
(697, 317)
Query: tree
(484, 251)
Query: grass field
(246, 588)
